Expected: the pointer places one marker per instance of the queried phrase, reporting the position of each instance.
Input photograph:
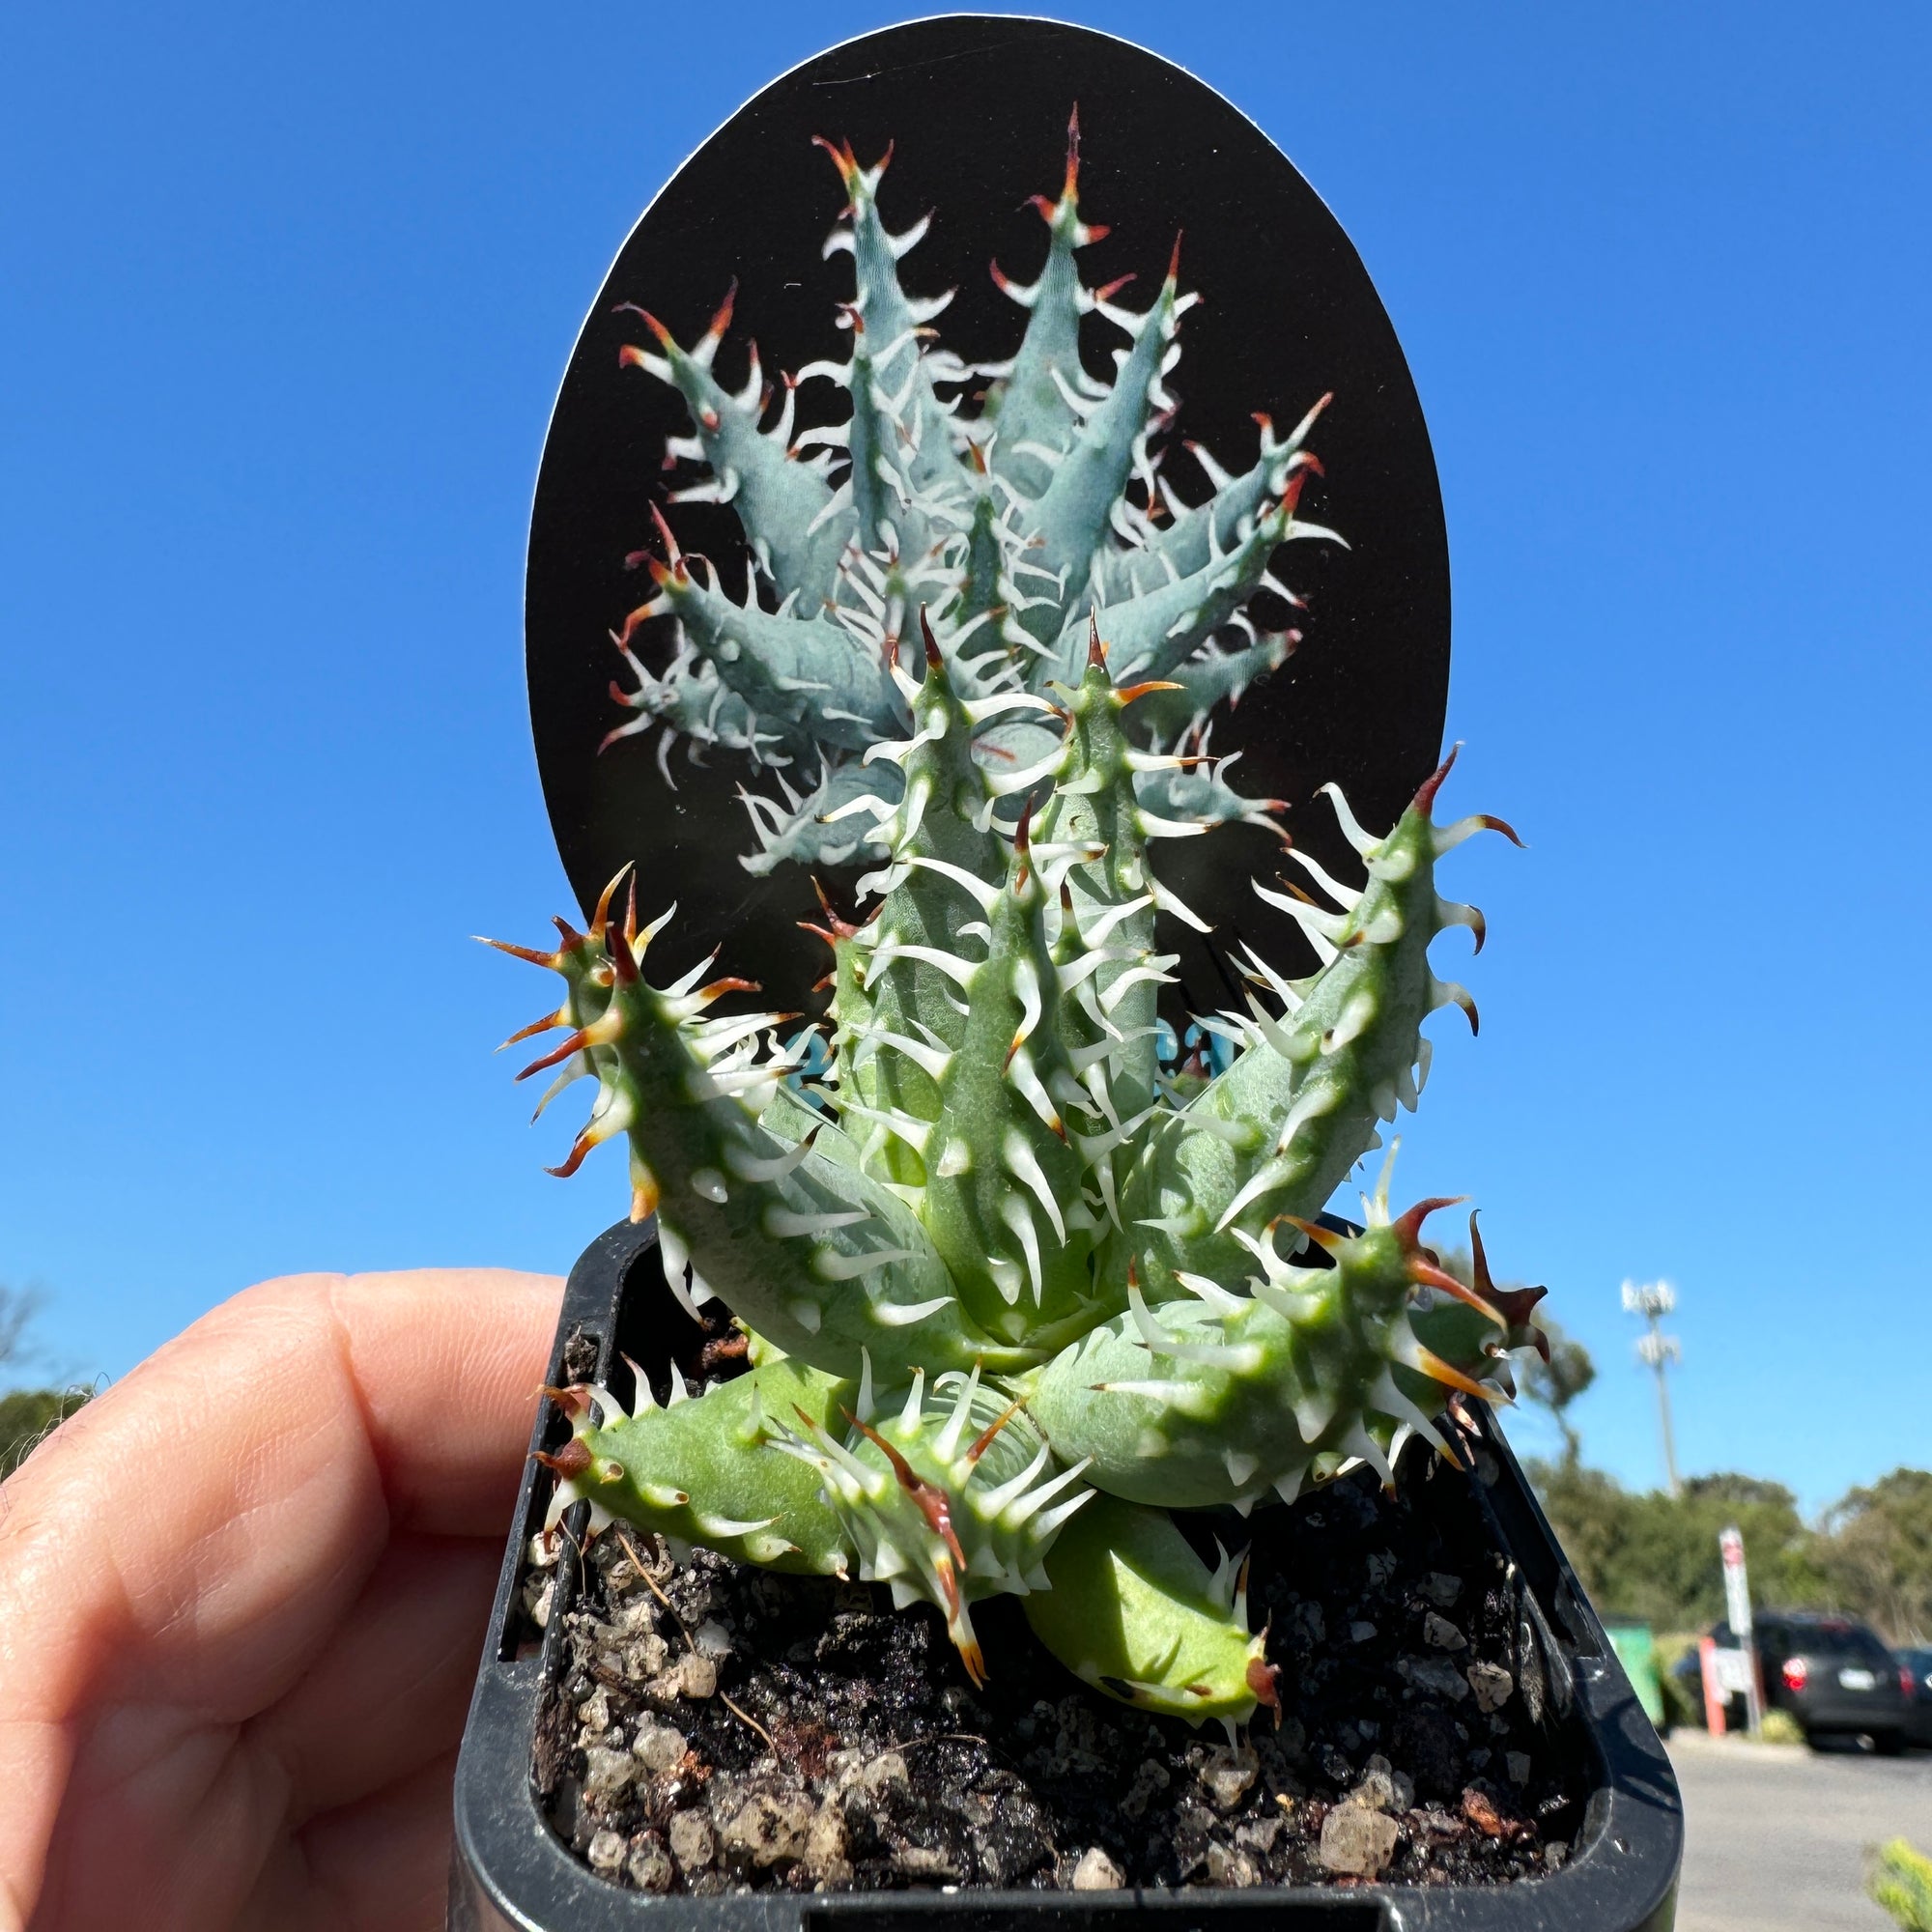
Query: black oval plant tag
(725, 554)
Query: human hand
(241, 1599)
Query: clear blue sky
(284, 296)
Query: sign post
(1737, 1606)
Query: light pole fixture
(1653, 1300)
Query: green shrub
(1781, 1727)
(1901, 1881)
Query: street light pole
(1653, 1300)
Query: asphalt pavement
(1775, 1836)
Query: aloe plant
(1013, 521)
(1016, 1290)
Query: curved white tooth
(726, 1525)
(903, 1314)
(783, 1224)
(1022, 1163)
(1023, 1509)
(748, 1166)
(912, 1415)
(1016, 1215)
(1362, 1447)
(993, 1501)
(986, 895)
(834, 1265)
(1050, 1522)
(864, 1407)
(1347, 897)
(1389, 1400)
(946, 1445)
(678, 1392)
(1211, 1293)
(613, 1409)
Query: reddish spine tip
(1110, 290)
(623, 961)
(556, 1055)
(1097, 649)
(985, 1439)
(842, 157)
(630, 356)
(932, 657)
(1425, 796)
(1260, 1678)
(1173, 260)
(1322, 1237)
(569, 1462)
(843, 928)
(1042, 206)
(721, 320)
(663, 531)
(1408, 1226)
(573, 1159)
(1128, 694)
(1073, 154)
(1503, 826)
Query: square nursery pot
(511, 1868)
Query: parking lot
(1775, 1836)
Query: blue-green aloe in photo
(1016, 1290)
(1012, 499)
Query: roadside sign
(1737, 1606)
(1737, 1590)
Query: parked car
(1915, 1668)
(1830, 1672)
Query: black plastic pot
(510, 1869)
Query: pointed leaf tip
(932, 656)
(569, 1462)
(1409, 1225)
(650, 322)
(1425, 796)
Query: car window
(1843, 1639)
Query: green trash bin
(1636, 1646)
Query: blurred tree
(26, 1414)
(1655, 1556)
(1876, 1553)
(1556, 1384)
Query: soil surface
(716, 1728)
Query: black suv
(1917, 1664)
(1832, 1674)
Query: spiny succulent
(1012, 499)
(1015, 1292)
